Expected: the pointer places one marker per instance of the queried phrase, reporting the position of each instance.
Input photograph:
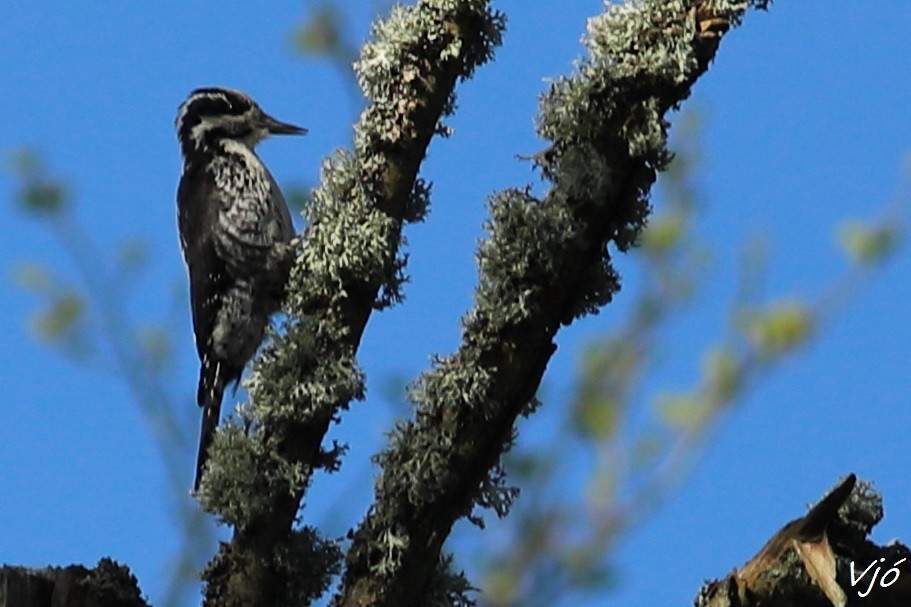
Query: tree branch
(544, 264)
(349, 266)
(107, 585)
(822, 560)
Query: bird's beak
(276, 127)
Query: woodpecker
(235, 235)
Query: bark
(107, 585)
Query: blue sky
(807, 124)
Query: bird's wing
(209, 278)
(282, 213)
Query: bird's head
(215, 114)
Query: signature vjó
(892, 571)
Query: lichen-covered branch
(545, 263)
(349, 265)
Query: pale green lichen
(606, 126)
(308, 562)
(240, 480)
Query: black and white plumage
(235, 233)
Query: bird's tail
(211, 388)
